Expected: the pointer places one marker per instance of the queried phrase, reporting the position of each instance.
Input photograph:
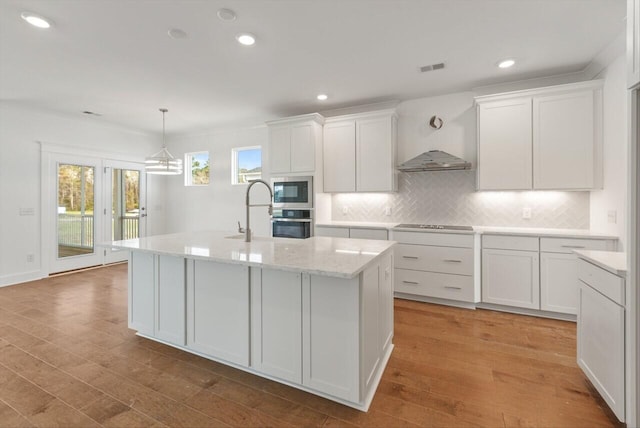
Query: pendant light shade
(162, 163)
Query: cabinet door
(504, 145)
(511, 278)
(375, 155)
(339, 151)
(280, 149)
(218, 308)
(170, 300)
(633, 43)
(559, 283)
(142, 278)
(331, 336)
(303, 156)
(601, 346)
(564, 141)
(385, 301)
(277, 323)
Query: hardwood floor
(68, 359)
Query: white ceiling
(114, 57)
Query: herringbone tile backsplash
(449, 197)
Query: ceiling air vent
(432, 67)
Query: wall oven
(288, 223)
(293, 192)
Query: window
(246, 164)
(196, 169)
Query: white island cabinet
(316, 314)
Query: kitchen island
(315, 314)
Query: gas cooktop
(433, 226)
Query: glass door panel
(125, 204)
(76, 203)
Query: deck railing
(75, 230)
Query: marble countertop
(612, 261)
(498, 230)
(337, 257)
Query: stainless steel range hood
(434, 160)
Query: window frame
(188, 171)
(234, 163)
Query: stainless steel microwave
(293, 192)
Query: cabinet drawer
(335, 232)
(359, 233)
(441, 239)
(604, 282)
(430, 284)
(567, 245)
(434, 259)
(504, 242)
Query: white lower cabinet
(559, 283)
(276, 318)
(142, 278)
(218, 310)
(352, 232)
(330, 336)
(434, 265)
(510, 277)
(601, 340)
(170, 300)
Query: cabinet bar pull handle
(452, 261)
(410, 282)
(573, 246)
(452, 288)
(410, 257)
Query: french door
(92, 201)
(125, 212)
(75, 208)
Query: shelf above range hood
(434, 160)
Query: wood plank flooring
(68, 359)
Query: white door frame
(633, 274)
(50, 202)
(111, 255)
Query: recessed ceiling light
(36, 20)
(226, 14)
(246, 39)
(322, 97)
(506, 63)
(176, 33)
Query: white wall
(220, 205)
(613, 197)
(21, 129)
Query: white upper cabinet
(564, 141)
(339, 153)
(292, 144)
(504, 133)
(633, 43)
(360, 152)
(543, 139)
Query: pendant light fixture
(163, 163)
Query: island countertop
(337, 257)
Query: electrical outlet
(30, 258)
(387, 210)
(345, 210)
(612, 216)
(526, 213)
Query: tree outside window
(196, 169)
(246, 164)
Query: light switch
(612, 216)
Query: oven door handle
(292, 220)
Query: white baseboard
(17, 278)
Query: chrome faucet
(247, 231)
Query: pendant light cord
(164, 144)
